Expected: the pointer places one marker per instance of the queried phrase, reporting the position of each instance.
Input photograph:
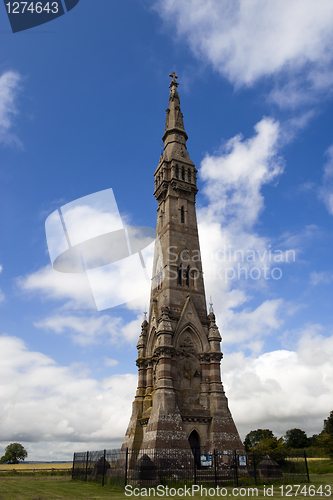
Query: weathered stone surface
(179, 349)
(269, 468)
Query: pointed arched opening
(194, 441)
(187, 276)
(180, 275)
(182, 215)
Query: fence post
(73, 466)
(126, 465)
(215, 468)
(85, 477)
(254, 468)
(306, 465)
(104, 455)
(236, 469)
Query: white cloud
(59, 286)
(44, 402)
(54, 410)
(282, 389)
(246, 41)
(326, 191)
(83, 330)
(132, 330)
(233, 254)
(247, 324)
(322, 277)
(234, 176)
(9, 88)
(110, 362)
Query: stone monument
(180, 401)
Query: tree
(328, 424)
(271, 446)
(325, 438)
(296, 438)
(254, 437)
(325, 441)
(14, 453)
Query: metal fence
(174, 467)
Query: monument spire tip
(173, 81)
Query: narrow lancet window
(189, 175)
(177, 171)
(180, 275)
(182, 215)
(187, 276)
(183, 173)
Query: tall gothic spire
(177, 272)
(174, 137)
(180, 398)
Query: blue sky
(82, 109)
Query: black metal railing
(174, 467)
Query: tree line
(263, 441)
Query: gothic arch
(151, 342)
(200, 337)
(194, 442)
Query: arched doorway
(194, 441)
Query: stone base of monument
(269, 469)
(145, 472)
(101, 468)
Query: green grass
(22, 487)
(320, 466)
(53, 488)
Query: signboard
(206, 460)
(242, 459)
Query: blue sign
(206, 460)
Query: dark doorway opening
(194, 441)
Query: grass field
(63, 488)
(36, 466)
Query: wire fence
(149, 468)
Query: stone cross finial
(211, 309)
(173, 82)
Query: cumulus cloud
(282, 389)
(246, 41)
(234, 176)
(43, 401)
(235, 258)
(9, 88)
(55, 410)
(73, 288)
